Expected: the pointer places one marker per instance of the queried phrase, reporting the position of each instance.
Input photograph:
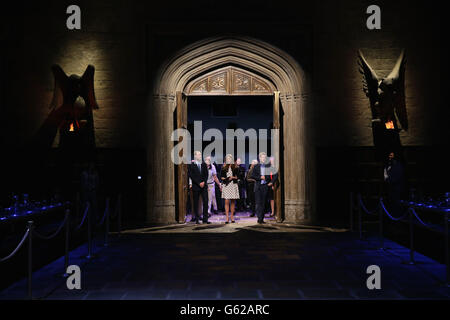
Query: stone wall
(114, 38)
(324, 36)
(340, 102)
(109, 40)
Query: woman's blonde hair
(229, 156)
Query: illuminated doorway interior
(231, 112)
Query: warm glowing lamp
(389, 125)
(73, 124)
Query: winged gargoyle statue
(387, 100)
(65, 112)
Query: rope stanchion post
(411, 237)
(447, 257)
(77, 205)
(351, 211)
(107, 223)
(89, 217)
(359, 216)
(30, 259)
(119, 214)
(380, 223)
(66, 249)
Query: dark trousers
(219, 199)
(260, 199)
(394, 197)
(196, 196)
(251, 196)
(241, 201)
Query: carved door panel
(277, 153)
(230, 81)
(181, 169)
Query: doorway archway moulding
(259, 58)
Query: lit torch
(389, 125)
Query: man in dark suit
(198, 173)
(261, 174)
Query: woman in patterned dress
(230, 189)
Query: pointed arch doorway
(226, 81)
(230, 66)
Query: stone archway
(253, 55)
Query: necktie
(198, 165)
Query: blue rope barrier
(52, 235)
(373, 212)
(420, 220)
(84, 217)
(391, 217)
(17, 248)
(104, 215)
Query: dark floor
(239, 261)
(240, 216)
